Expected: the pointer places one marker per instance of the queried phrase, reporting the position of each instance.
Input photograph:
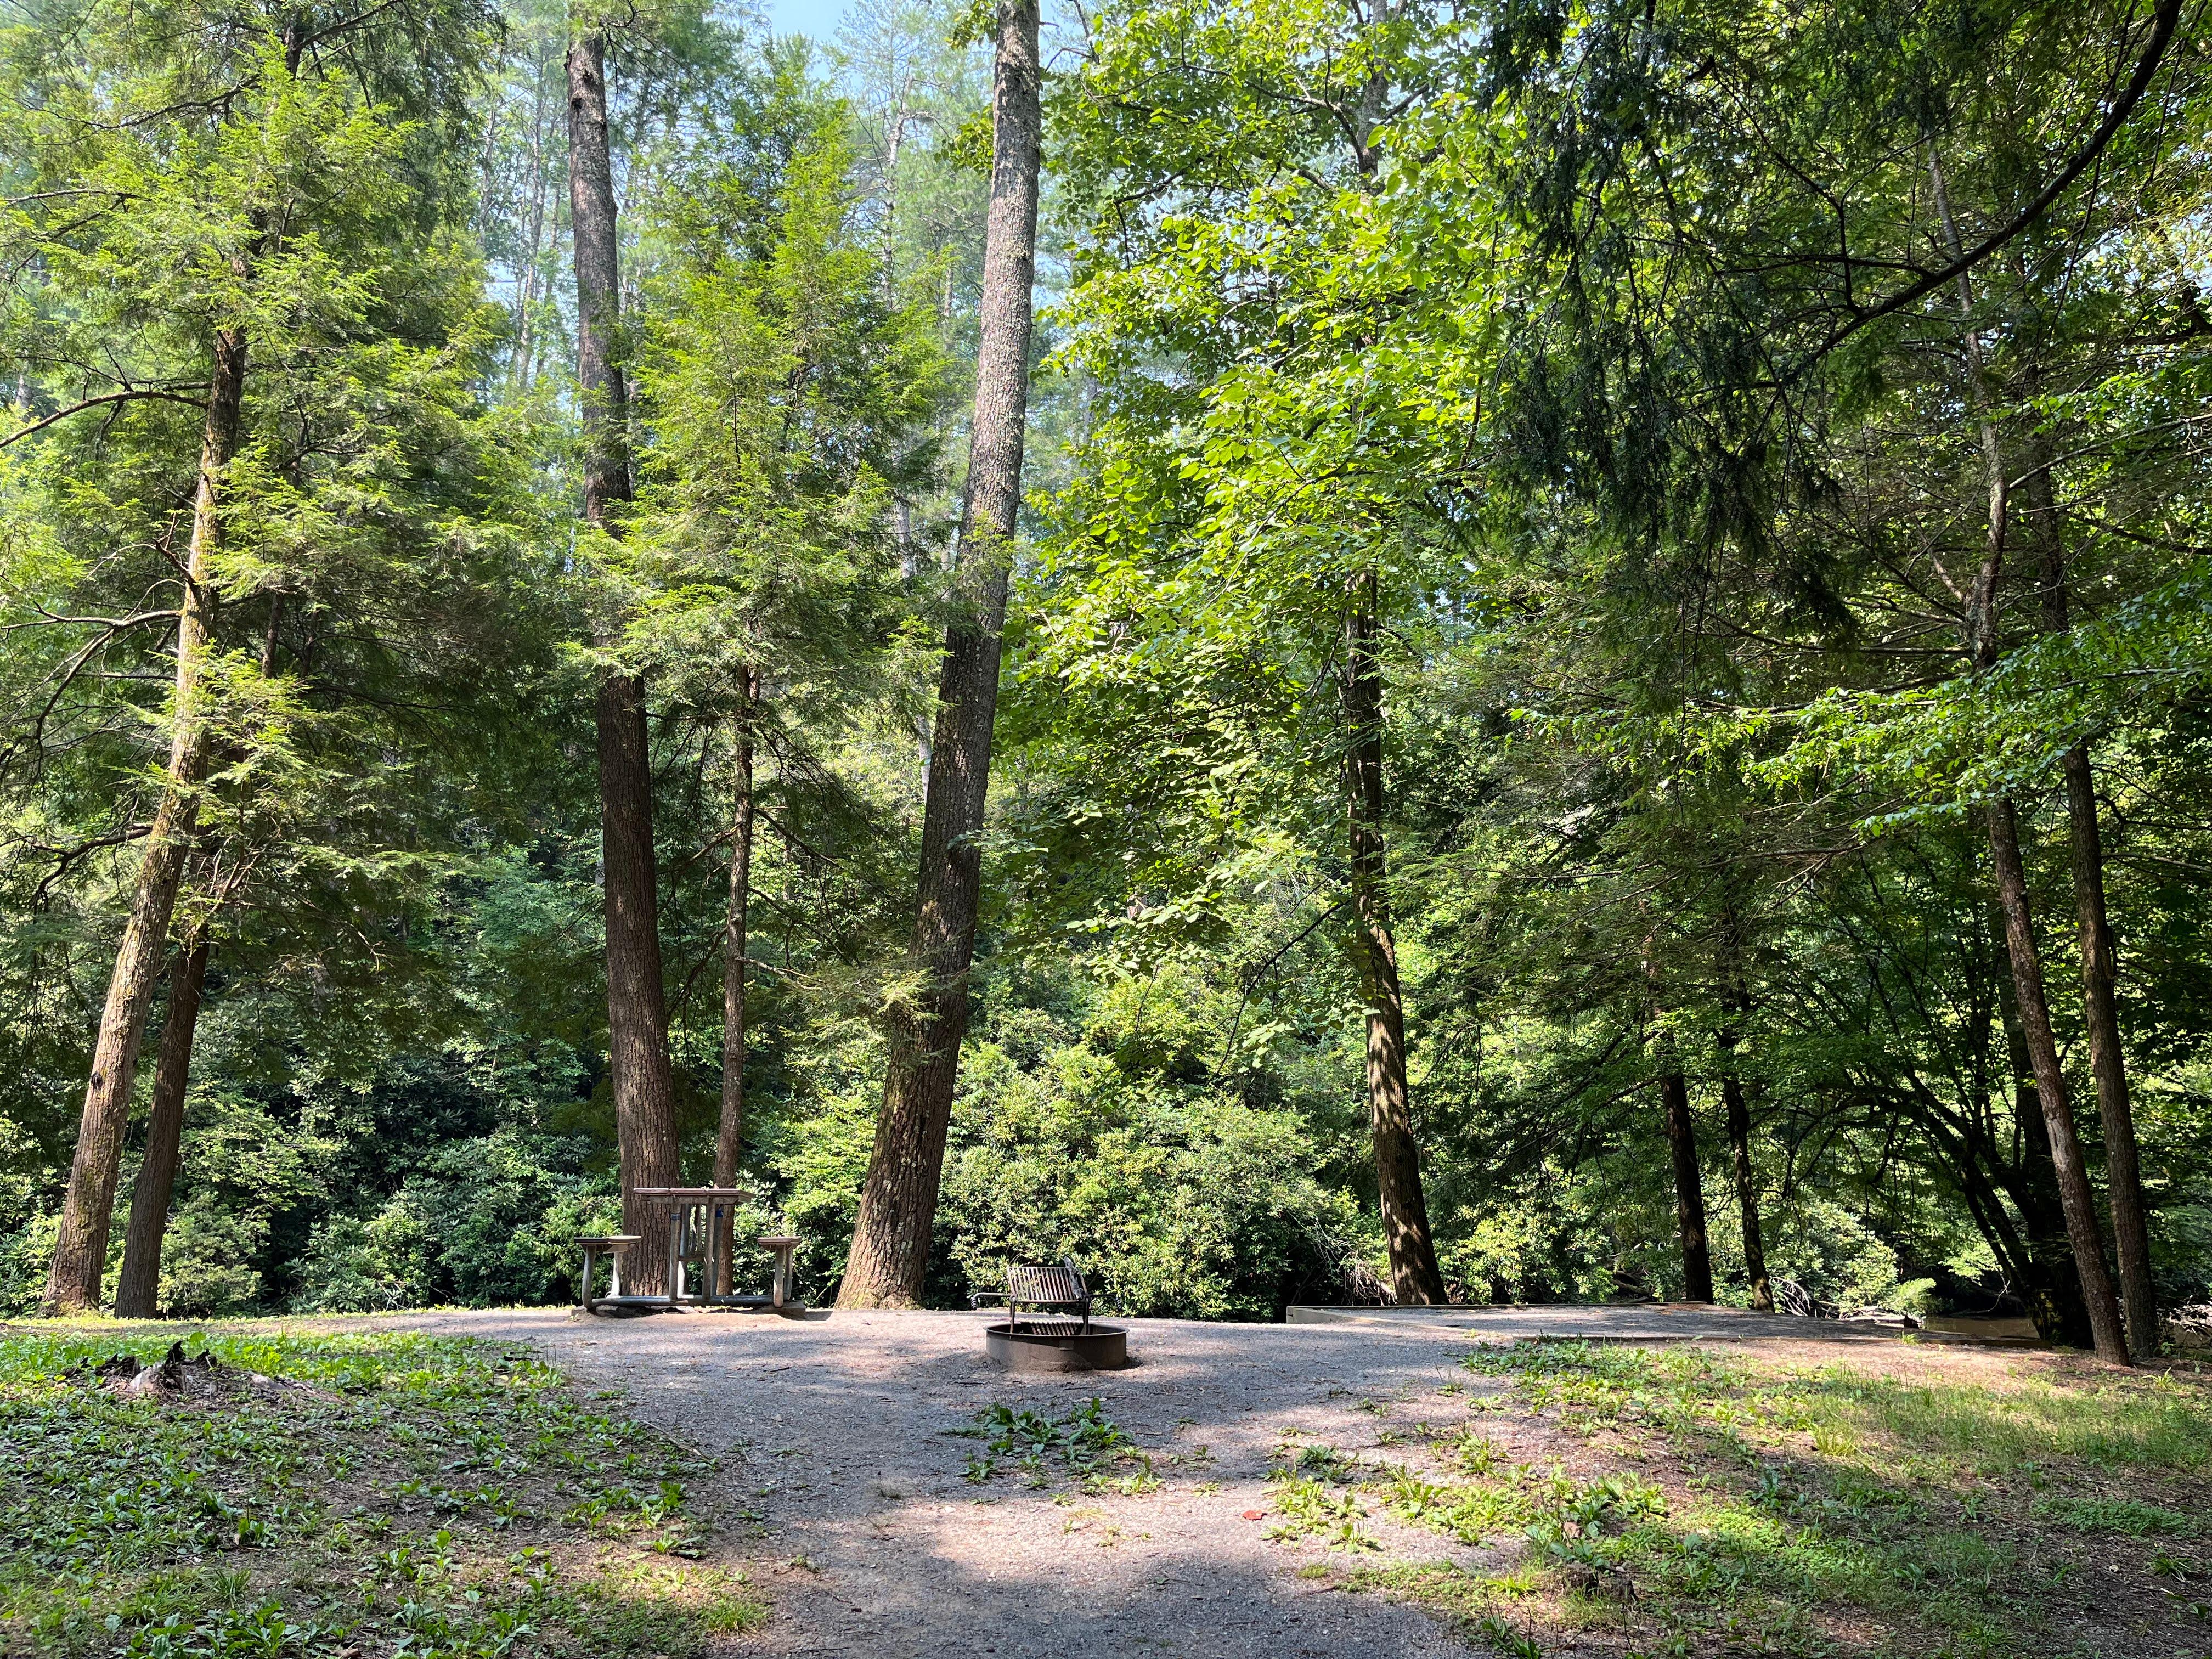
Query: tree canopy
(1606, 686)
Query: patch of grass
(2122, 1515)
(1816, 1510)
(1083, 1444)
(388, 1492)
(1313, 1509)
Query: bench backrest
(1046, 1287)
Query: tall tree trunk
(1414, 1277)
(2050, 1287)
(2101, 1008)
(2099, 960)
(1689, 1189)
(2074, 1193)
(729, 1143)
(898, 1200)
(2003, 827)
(73, 1280)
(1746, 1192)
(1738, 1109)
(137, 1288)
(637, 1020)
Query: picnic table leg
(675, 1254)
(590, 1261)
(614, 1274)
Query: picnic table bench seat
(612, 1246)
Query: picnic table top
(690, 1194)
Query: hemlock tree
(637, 1013)
(890, 1252)
(227, 215)
(788, 400)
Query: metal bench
(612, 1246)
(1043, 1290)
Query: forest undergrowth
(1677, 1502)
(377, 1494)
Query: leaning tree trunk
(2002, 824)
(73, 1281)
(898, 1200)
(137, 1289)
(729, 1143)
(2099, 960)
(1414, 1277)
(637, 1020)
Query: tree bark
(729, 1143)
(2100, 959)
(1746, 1192)
(1689, 1189)
(2003, 827)
(1738, 1109)
(637, 1020)
(137, 1288)
(2052, 1287)
(1414, 1277)
(2074, 1193)
(890, 1253)
(2100, 1007)
(73, 1279)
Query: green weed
(371, 1496)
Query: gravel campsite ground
(1523, 1483)
(1837, 1492)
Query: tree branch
(132, 394)
(2163, 23)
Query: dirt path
(838, 1434)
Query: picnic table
(695, 1229)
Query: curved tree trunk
(637, 1020)
(890, 1253)
(73, 1279)
(1414, 1277)
(137, 1288)
(729, 1142)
